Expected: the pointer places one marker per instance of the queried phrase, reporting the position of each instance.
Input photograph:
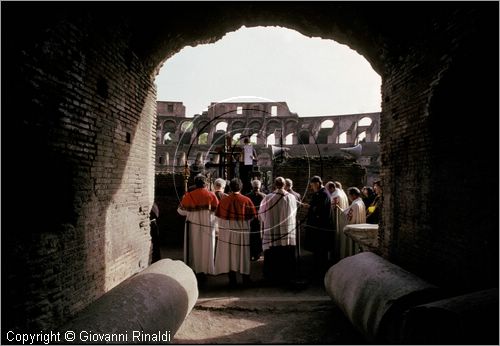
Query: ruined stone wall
(256, 119)
(84, 173)
(432, 167)
(335, 168)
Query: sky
(314, 76)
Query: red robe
(199, 231)
(233, 246)
(199, 199)
(236, 207)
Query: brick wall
(435, 223)
(84, 173)
(169, 189)
(335, 168)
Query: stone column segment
(156, 300)
(373, 293)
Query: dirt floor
(262, 313)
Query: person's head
(235, 185)
(246, 140)
(330, 187)
(377, 187)
(256, 184)
(353, 193)
(316, 183)
(367, 191)
(219, 184)
(279, 182)
(199, 180)
(288, 184)
(338, 185)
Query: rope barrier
(247, 231)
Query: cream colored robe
(199, 240)
(340, 202)
(278, 212)
(356, 213)
(233, 247)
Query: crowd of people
(225, 231)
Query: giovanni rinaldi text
(45, 337)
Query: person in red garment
(198, 206)
(233, 246)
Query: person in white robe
(343, 200)
(339, 203)
(354, 214)
(278, 212)
(249, 155)
(198, 206)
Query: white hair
(256, 183)
(219, 182)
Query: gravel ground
(264, 314)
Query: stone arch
(304, 136)
(342, 138)
(79, 74)
(254, 138)
(221, 126)
(202, 138)
(291, 126)
(168, 127)
(322, 137)
(236, 135)
(291, 129)
(361, 137)
(202, 132)
(271, 139)
(255, 126)
(327, 124)
(325, 131)
(365, 121)
(186, 126)
(238, 126)
(202, 126)
(272, 126)
(258, 134)
(168, 138)
(186, 132)
(219, 132)
(219, 138)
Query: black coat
(319, 227)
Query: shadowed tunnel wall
(78, 126)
